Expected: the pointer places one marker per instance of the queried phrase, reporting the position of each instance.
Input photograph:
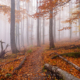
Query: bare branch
(6, 47)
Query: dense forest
(40, 40)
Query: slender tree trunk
(54, 29)
(21, 34)
(70, 24)
(51, 40)
(43, 30)
(27, 26)
(32, 32)
(17, 27)
(32, 23)
(40, 24)
(59, 24)
(40, 30)
(38, 36)
(79, 20)
(23, 23)
(12, 33)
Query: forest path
(32, 69)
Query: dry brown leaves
(59, 62)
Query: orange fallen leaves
(59, 62)
(35, 61)
(8, 68)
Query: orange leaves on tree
(18, 13)
(65, 28)
(75, 14)
(48, 5)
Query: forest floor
(31, 70)
(35, 60)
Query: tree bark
(28, 25)
(32, 31)
(38, 29)
(70, 24)
(43, 30)
(79, 20)
(59, 23)
(54, 18)
(12, 33)
(17, 27)
(51, 40)
(3, 52)
(59, 73)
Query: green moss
(43, 69)
(73, 54)
(8, 75)
(29, 51)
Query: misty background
(63, 14)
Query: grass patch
(43, 69)
(29, 51)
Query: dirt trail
(33, 66)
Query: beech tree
(12, 33)
(54, 27)
(75, 15)
(51, 40)
(79, 18)
(38, 29)
(59, 23)
(70, 24)
(17, 26)
(43, 30)
(32, 32)
(27, 25)
(48, 7)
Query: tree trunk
(38, 30)
(32, 31)
(54, 28)
(51, 40)
(79, 20)
(43, 30)
(17, 27)
(59, 73)
(59, 23)
(40, 24)
(38, 36)
(70, 24)
(27, 26)
(12, 33)
(3, 52)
